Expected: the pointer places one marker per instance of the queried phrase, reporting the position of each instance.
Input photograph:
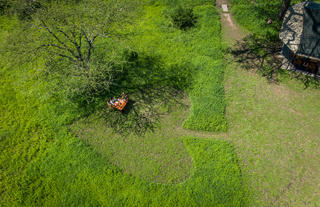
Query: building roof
(300, 30)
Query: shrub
(183, 18)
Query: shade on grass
(197, 51)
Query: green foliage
(254, 16)
(183, 18)
(25, 9)
(4, 6)
(22, 8)
(207, 93)
(77, 42)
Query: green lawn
(253, 16)
(275, 128)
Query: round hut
(300, 34)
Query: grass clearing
(275, 128)
(159, 156)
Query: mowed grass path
(158, 156)
(276, 131)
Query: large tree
(77, 42)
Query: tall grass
(207, 93)
(43, 164)
(253, 16)
(194, 55)
(79, 177)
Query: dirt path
(230, 31)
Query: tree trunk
(284, 7)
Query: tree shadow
(266, 56)
(152, 88)
(143, 111)
(258, 53)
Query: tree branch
(61, 42)
(90, 44)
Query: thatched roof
(300, 30)
(292, 27)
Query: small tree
(183, 18)
(74, 39)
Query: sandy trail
(231, 32)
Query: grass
(79, 176)
(275, 129)
(274, 126)
(253, 16)
(159, 156)
(268, 125)
(207, 94)
(198, 52)
(49, 166)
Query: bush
(183, 18)
(24, 9)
